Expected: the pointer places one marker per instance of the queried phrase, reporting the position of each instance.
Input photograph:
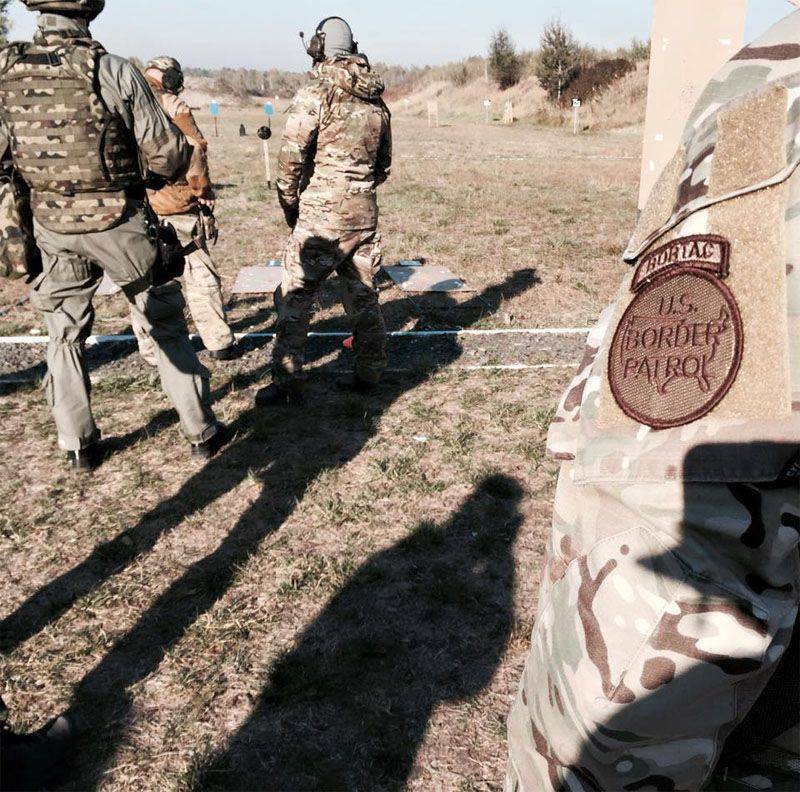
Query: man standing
(188, 204)
(336, 152)
(78, 122)
(665, 653)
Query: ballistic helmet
(85, 9)
(332, 37)
(171, 72)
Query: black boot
(275, 395)
(208, 449)
(354, 384)
(35, 761)
(86, 460)
(233, 352)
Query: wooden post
(691, 41)
(576, 106)
(267, 163)
(487, 104)
(433, 114)
(216, 127)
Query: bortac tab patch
(707, 252)
(678, 349)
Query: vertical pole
(216, 127)
(574, 119)
(267, 163)
(691, 41)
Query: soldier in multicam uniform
(79, 120)
(662, 657)
(336, 152)
(188, 205)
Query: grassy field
(342, 599)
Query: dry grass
(340, 600)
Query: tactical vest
(78, 157)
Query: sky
(262, 34)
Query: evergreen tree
(559, 59)
(505, 66)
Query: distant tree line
(4, 20)
(559, 63)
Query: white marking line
(509, 368)
(120, 339)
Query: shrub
(592, 81)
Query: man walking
(337, 150)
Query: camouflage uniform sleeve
(383, 167)
(299, 140)
(164, 149)
(197, 176)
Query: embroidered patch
(706, 252)
(677, 350)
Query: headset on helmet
(316, 47)
(87, 9)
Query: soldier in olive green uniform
(336, 151)
(663, 656)
(78, 120)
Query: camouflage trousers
(73, 270)
(202, 288)
(312, 255)
(664, 611)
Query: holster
(171, 258)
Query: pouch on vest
(19, 255)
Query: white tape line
(126, 339)
(511, 367)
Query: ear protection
(172, 80)
(316, 47)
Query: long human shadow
(735, 563)
(290, 452)
(420, 624)
(111, 558)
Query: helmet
(332, 37)
(88, 9)
(171, 72)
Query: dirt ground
(342, 599)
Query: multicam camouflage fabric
(671, 588)
(77, 157)
(311, 257)
(688, 200)
(337, 147)
(337, 150)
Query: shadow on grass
(291, 452)
(422, 623)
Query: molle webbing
(67, 145)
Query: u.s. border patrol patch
(678, 348)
